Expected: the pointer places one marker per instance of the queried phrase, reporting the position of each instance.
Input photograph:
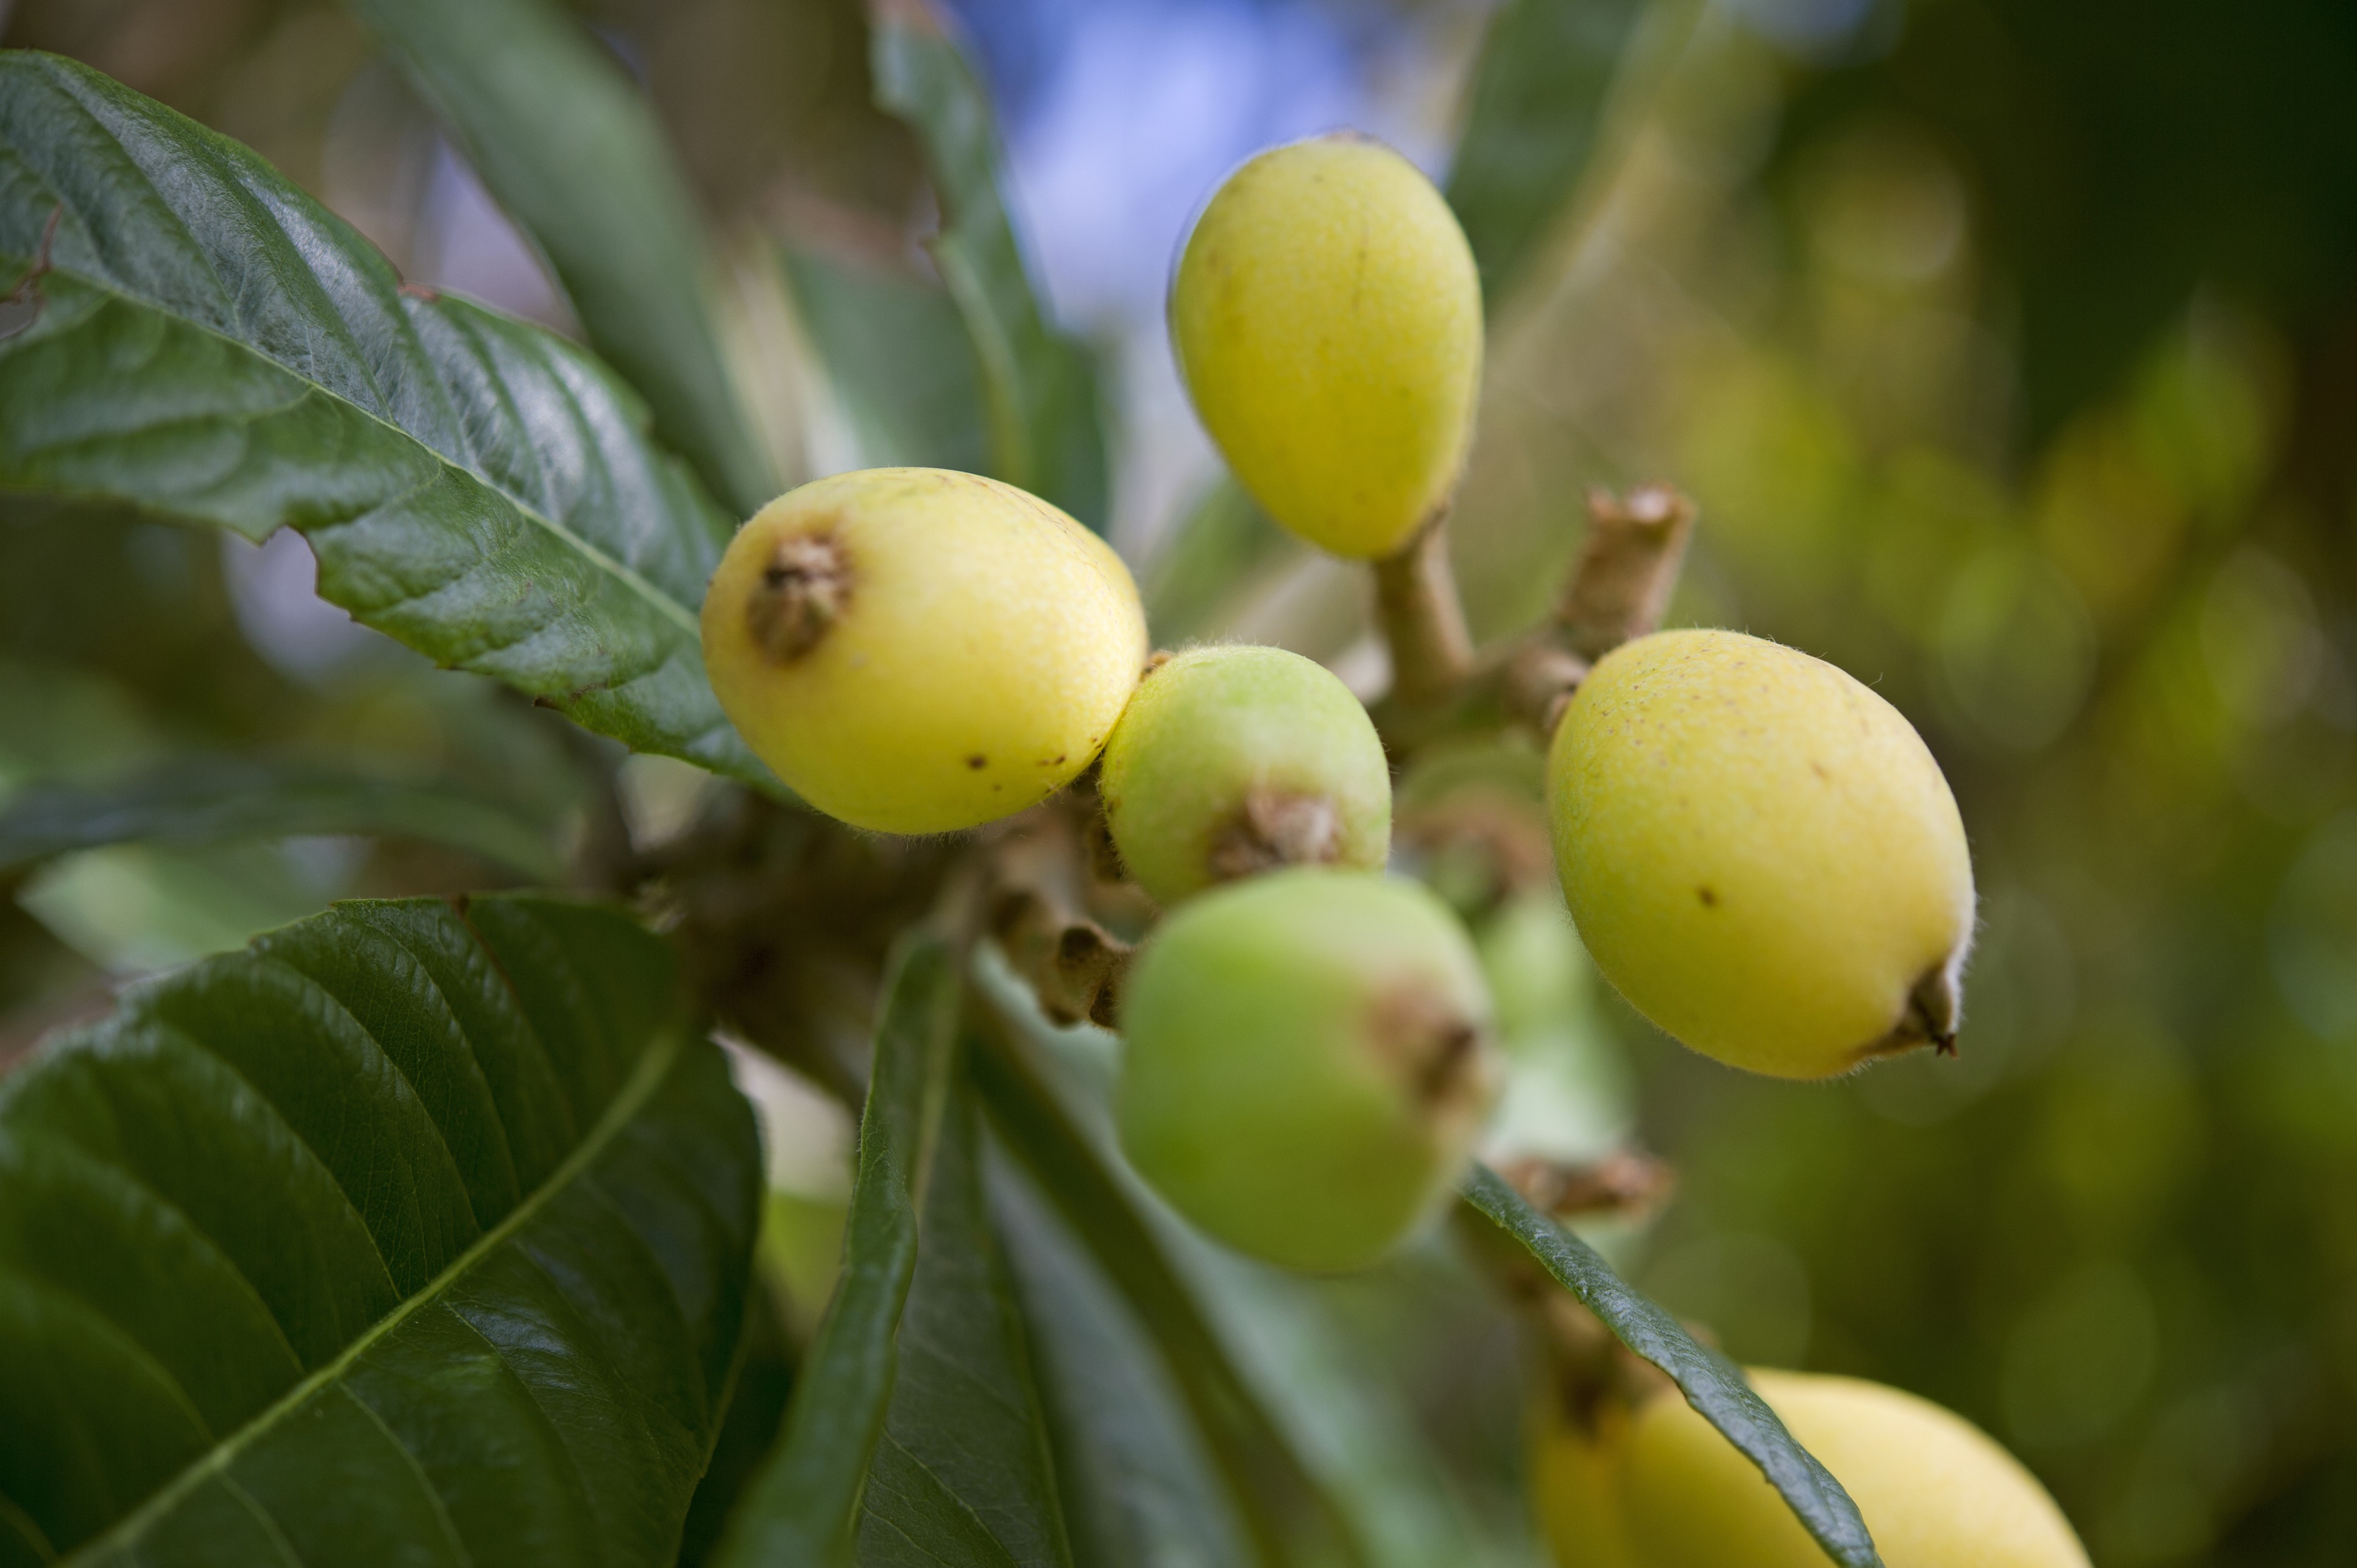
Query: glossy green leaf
(1278, 1497)
(802, 1507)
(211, 799)
(571, 149)
(1039, 386)
(1138, 1483)
(897, 355)
(1538, 103)
(209, 345)
(406, 1236)
(1712, 1383)
(963, 1476)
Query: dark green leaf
(404, 1237)
(757, 1404)
(897, 357)
(1223, 544)
(801, 1506)
(1712, 1384)
(1040, 387)
(213, 800)
(571, 149)
(1275, 1493)
(963, 1476)
(1538, 106)
(212, 347)
(1139, 1487)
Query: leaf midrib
(653, 1065)
(628, 577)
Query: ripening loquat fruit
(915, 651)
(1935, 1490)
(1234, 760)
(1308, 1062)
(1327, 316)
(1760, 855)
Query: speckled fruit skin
(984, 650)
(1935, 1491)
(1214, 727)
(1760, 853)
(1327, 316)
(1280, 1089)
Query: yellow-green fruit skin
(1212, 729)
(1326, 316)
(1760, 853)
(986, 644)
(1575, 1490)
(1282, 1085)
(1935, 1491)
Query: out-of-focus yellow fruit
(1308, 1060)
(1234, 760)
(1935, 1491)
(1327, 317)
(915, 651)
(1760, 853)
(1576, 1489)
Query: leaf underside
(403, 1236)
(209, 345)
(1712, 1384)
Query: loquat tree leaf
(570, 148)
(1224, 545)
(897, 357)
(803, 1504)
(1139, 1486)
(198, 341)
(1282, 1503)
(408, 1235)
(1538, 101)
(213, 800)
(1040, 387)
(1712, 1383)
(962, 1475)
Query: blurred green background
(2011, 348)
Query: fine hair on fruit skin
(1760, 853)
(1326, 316)
(1233, 760)
(1309, 1056)
(915, 651)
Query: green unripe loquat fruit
(1760, 853)
(915, 651)
(1935, 1491)
(1230, 761)
(1327, 316)
(1308, 1062)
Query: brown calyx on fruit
(1273, 829)
(1935, 1010)
(804, 590)
(1437, 1049)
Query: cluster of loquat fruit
(1758, 852)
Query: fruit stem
(1627, 567)
(1422, 618)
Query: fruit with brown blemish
(914, 650)
(1310, 1058)
(1326, 316)
(1234, 760)
(1760, 853)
